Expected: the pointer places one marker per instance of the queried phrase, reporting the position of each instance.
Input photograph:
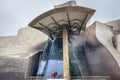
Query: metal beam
(51, 32)
(46, 28)
(44, 31)
(83, 23)
(55, 21)
(68, 20)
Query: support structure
(65, 53)
(56, 22)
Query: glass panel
(51, 64)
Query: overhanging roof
(51, 21)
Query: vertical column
(65, 53)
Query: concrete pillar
(65, 53)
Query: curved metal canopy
(51, 22)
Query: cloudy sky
(15, 14)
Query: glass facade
(52, 59)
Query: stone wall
(116, 26)
(19, 54)
(116, 30)
(28, 40)
(102, 57)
